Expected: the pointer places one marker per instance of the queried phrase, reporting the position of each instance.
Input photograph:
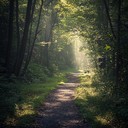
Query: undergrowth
(19, 101)
(98, 106)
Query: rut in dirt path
(59, 110)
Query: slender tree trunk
(109, 18)
(17, 25)
(48, 35)
(118, 49)
(10, 37)
(24, 39)
(18, 33)
(33, 43)
(30, 31)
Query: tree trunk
(33, 43)
(17, 25)
(24, 39)
(118, 49)
(10, 37)
(109, 18)
(50, 22)
(18, 33)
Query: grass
(92, 103)
(19, 102)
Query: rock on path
(59, 110)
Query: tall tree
(24, 39)
(109, 18)
(33, 42)
(18, 32)
(118, 48)
(10, 37)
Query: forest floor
(59, 110)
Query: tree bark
(10, 37)
(109, 18)
(24, 39)
(17, 25)
(118, 49)
(33, 43)
(50, 22)
(18, 33)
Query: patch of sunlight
(102, 120)
(35, 97)
(91, 91)
(82, 59)
(86, 78)
(105, 119)
(81, 71)
(84, 92)
(80, 93)
(24, 109)
(86, 81)
(43, 43)
(68, 5)
(61, 82)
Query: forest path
(59, 110)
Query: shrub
(36, 73)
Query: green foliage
(37, 73)
(99, 105)
(94, 104)
(87, 19)
(9, 96)
(19, 101)
(53, 69)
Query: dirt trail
(59, 110)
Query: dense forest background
(41, 37)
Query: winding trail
(59, 110)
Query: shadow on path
(59, 110)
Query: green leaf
(107, 47)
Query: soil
(59, 110)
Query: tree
(33, 42)
(10, 37)
(24, 39)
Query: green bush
(53, 69)
(8, 98)
(36, 73)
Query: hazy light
(82, 59)
(43, 43)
